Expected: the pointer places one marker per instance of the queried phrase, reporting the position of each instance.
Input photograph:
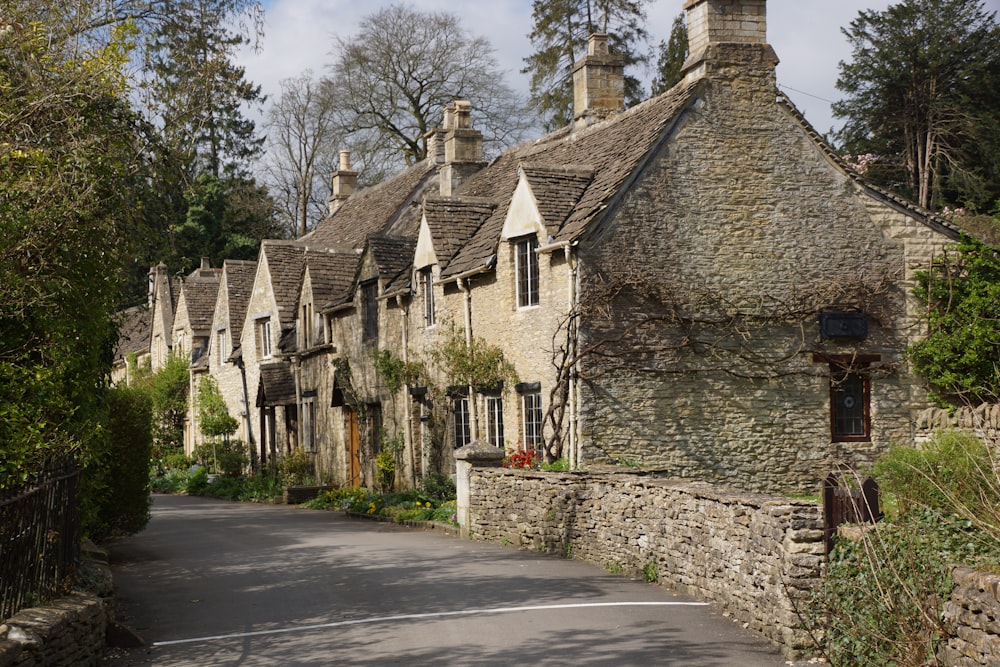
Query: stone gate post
(476, 454)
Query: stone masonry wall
(983, 420)
(755, 556)
(67, 632)
(972, 620)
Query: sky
(806, 35)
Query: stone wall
(972, 620)
(984, 421)
(755, 556)
(67, 631)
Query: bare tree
(302, 142)
(393, 79)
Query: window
(307, 323)
(526, 268)
(849, 405)
(463, 434)
(494, 421)
(264, 338)
(369, 310)
(531, 408)
(221, 351)
(427, 284)
(374, 411)
(309, 423)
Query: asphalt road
(218, 583)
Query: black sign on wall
(843, 325)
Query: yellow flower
(428, 504)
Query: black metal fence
(846, 505)
(39, 538)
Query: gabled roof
(331, 274)
(453, 221)
(135, 328)
(372, 211)
(557, 190)
(393, 258)
(200, 290)
(239, 283)
(285, 262)
(612, 151)
(277, 385)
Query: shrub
(196, 482)
(438, 485)
(226, 458)
(296, 468)
(521, 458)
(116, 472)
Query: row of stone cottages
(697, 284)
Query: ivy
(474, 363)
(959, 356)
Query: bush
(296, 469)
(225, 458)
(881, 601)
(116, 472)
(438, 485)
(196, 482)
(173, 480)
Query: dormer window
(427, 286)
(369, 310)
(526, 270)
(264, 338)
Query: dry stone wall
(755, 556)
(972, 620)
(68, 631)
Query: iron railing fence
(39, 537)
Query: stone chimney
(598, 82)
(463, 146)
(343, 183)
(727, 34)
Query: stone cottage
(697, 284)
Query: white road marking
(438, 614)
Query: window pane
(849, 405)
(494, 421)
(462, 434)
(428, 288)
(532, 405)
(526, 260)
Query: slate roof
(135, 328)
(394, 259)
(200, 290)
(331, 274)
(239, 283)
(557, 189)
(453, 221)
(612, 151)
(375, 210)
(277, 385)
(285, 261)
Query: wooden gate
(844, 505)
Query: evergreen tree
(923, 90)
(560, 29)
(672, 55)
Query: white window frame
(463, 423)
(494, 421)
(526, 262)
(531, 420)
(263, 327)
(427, 285)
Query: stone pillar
(476, 454)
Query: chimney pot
(598, 82)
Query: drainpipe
(463, 285)
(246, 407)
(404, 311)
(574, 442)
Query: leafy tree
(394, 78)
(559, 34)
(672, 55)
(923, 89)
(962, 295)
(214, 419)
(168, 391)
(302, 142)
(68, 177)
